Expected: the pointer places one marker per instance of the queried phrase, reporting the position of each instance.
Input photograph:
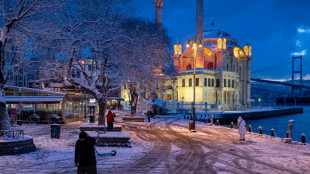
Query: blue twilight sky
(274, 28)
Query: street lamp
(194, 47)
(260, 103)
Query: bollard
(303, 138)
(217, 122)
(288, 134)
(232, 124)
(250, 128)
(260, 130)
(272, 132)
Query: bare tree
(23, 22)
(149, 58)
(114, 42)
(94, 27)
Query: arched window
(190, 82)
(210, 66)
(189, 66)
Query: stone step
(95, 127)
(112, 139)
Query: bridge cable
(279, 65)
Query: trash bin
(55, 131)
(191, 125)
(92, 119)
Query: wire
(272, 68)
(285, 62)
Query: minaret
(158, 5)
(199, 34)
(199, 21)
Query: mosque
(213, 62)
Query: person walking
(85, 158)
(149, 114)
(110, 119)
(241, 127)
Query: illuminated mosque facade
(222, 67)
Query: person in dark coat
(110, 119)
(149, 115)
(85, 158)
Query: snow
(223, 151)
(16, 139)
(108, 134)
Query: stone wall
(19, 146)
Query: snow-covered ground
(164, 146)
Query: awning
(32, 99)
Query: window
(89, 67)
(124, 86)
(224, 82)
(212, 82)
(209, 81)
(189, 66)
(73, 73)
(217, 82)
(190, 82)
(228, 83)
(210, 66)
(232, 83)
(169, 97)
(183, 82)
(205, 82)
(78, 73)
(197, 81)
(227, 67)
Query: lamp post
(194, 47)
(260, 103)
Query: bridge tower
(297, 72)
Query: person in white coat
(242, 129)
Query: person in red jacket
(110, 119)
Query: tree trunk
(102, 109)
(133, 102)
(4, 116)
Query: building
(222, 68)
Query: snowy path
(165, 146)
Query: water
(279, 124)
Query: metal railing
(11, 134)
